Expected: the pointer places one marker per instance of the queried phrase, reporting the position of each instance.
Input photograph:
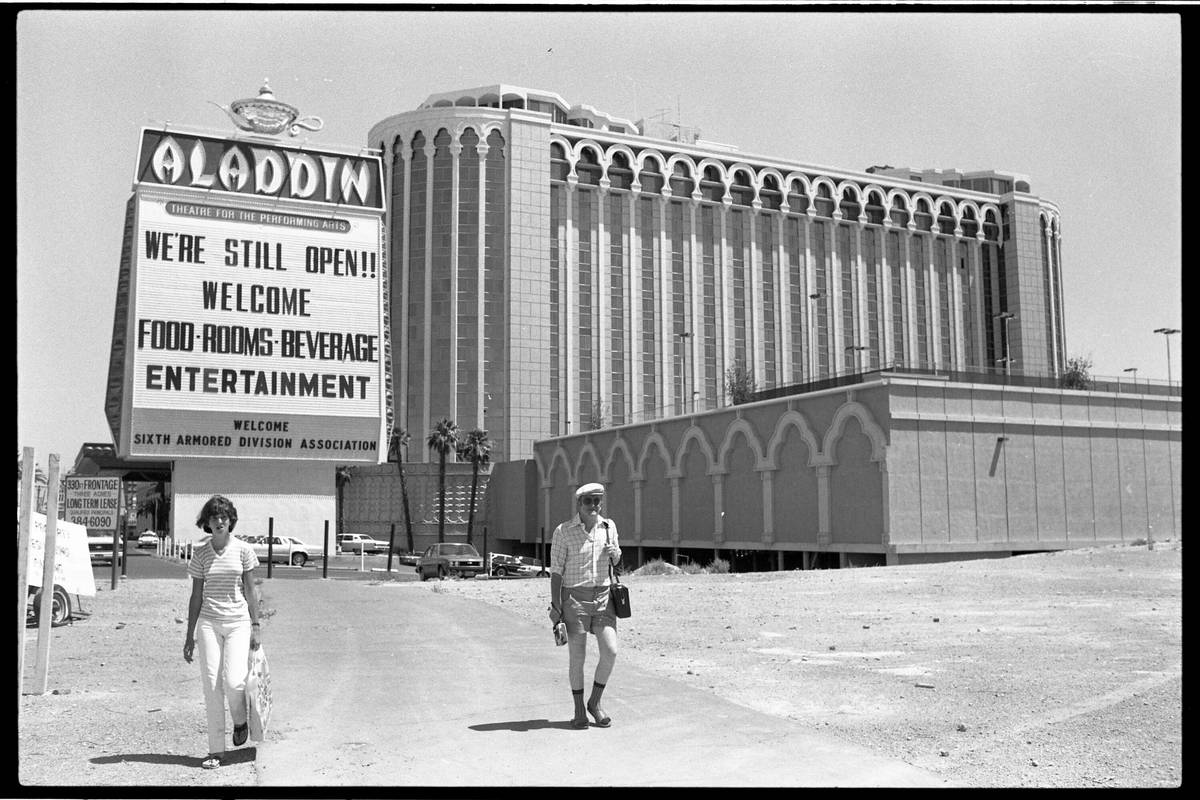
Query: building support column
(602, 307)
(401, 388)
(887, 312)
(784, 350)
(812, 363)
(426, 418)
(824, 535)
(481, 392)
(754, 301)
(768, 507)
(636, 407)
(718, 509)
(452, 356)
(570, 314)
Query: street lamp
(1167, 334)
(853, 348)
(684, 336)
(1006, 317)
(1134, 371)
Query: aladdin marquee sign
(258, 169)
(251, 313)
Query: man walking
(581, 551)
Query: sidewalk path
(397, 685)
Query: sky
(1088, 105)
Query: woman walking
(223, 618)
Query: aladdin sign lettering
(263, 169)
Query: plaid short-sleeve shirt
(579, 556)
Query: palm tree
(156, 503)
(476, 448)
(399, 446)
(443, 440)
(342, 476)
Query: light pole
(1006, 317)
(854, 348)
(684, 336)
(1134, 371)
(1167, 334)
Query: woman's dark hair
(217, 505)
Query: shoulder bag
(618, 593)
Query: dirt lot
(1048, 670)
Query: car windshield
(458, 550)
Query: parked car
(503, 565)
(449, 558)
(148, 539)
(287, 549)
(535, 566)
(100, 547)
(360, 543)
(407, 558)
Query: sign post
(27, 469)
(46, 607)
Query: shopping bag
(258, 695)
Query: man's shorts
(586, 609)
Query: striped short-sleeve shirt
(579, 556)
(222, 575)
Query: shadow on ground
(242, 756)
(522, 725)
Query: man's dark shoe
(602, 719)
(240, 732)
(579, 723)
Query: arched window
(681, 181)
(899, 211)
(588, 167)
(850, 206)
(797, 199)
(711, 186)
(620, 174)
(946, 219)
(922, 216)
(824, 201)
(769, 194)
(875, 208)
(651, 176)
(559, 167)
(740, 189)
(970, 225)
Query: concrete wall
(373, 502)
(991, 467)
(916, 469)
(298, 495)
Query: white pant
(224, 649)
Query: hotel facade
(580, 285)
(557, 269)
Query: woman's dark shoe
(240, 732)
(602, 719)
(579, 723)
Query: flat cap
(588, 489)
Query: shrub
(692, 568)
(718, 566)
(656, 566)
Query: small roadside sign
(93, 502)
